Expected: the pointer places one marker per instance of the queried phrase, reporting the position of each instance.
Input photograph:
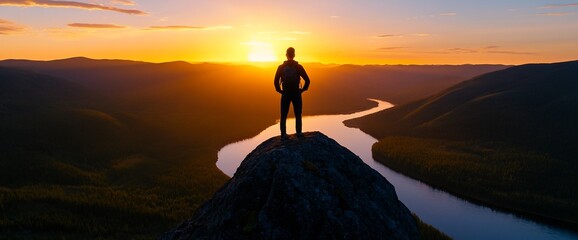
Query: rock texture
(307, 187)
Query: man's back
(289, 76)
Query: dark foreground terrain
(306, 187)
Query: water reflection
(457, 218)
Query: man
(287, 82)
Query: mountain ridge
(506, 139)
(517, 89)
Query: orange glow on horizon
(256, 32)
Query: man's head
(290, 53)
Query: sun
(261, 52)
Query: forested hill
(506, 138)
(534, 104)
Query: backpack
(290, 78)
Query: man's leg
(285, 101)
(298, 108)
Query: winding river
(456, 217)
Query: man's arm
(277, 80)
(305, 78)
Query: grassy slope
(505, 139)
(127, 149)
(502, 175)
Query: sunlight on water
(455, 217)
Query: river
(458, 218)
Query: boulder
(306, 187)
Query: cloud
(487, 49)
(556, 14)
(458, 50)
(422, 34)
(462, 50)
(448, 14)
(95, 25)
(122, 2)
(511, 52)
(7, 27)
(184, 27)
(560, 5)
(387, 36)
(175, 27)
(69, 4)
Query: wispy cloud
(184, 27)
(511, 52)
(454, 51)
(175, 27)
(560, 5)
(462, 50)
(391, 48)
(487, 49)
(95, 25)
(387, 36)
(8, 27)
(70, 4)
(556, 14)
(448, 14)
(122, 2)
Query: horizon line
(272, 63)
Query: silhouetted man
(287, 82)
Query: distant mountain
(506, 138)
(534, 104)
(396, 83)
(69, 63)
(107, 77)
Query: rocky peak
(307, 187)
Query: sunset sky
(327, 31)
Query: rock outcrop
(307, 187)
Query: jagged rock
(306, 187)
